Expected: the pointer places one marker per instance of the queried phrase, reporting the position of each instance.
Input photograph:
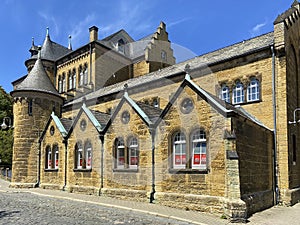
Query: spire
(32, 41)
(47, 33)
(70, 44)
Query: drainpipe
(37, 184)
(275, 167)
(91, 69)
(66, 164)
(153, 132)
(101, 137)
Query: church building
(119, 117)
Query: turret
(34, 100)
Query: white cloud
(171, 24)
(256, 30)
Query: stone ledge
(136, 195)
(22, 185)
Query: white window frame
(80, 76)
(79, 161)
(225, 93)
(253, 92)
(88, 156)
(179, 140)
(85, 75)
(70, 86)
(133, 148)
(120, 148)
(74, 79)
(56, 157)
(49, 157)
(238, 93)
(199, 141)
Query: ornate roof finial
(125, 87)
(32, 41)
(70, 44)
(187, 68)
(39, 52)
(47, 34)
(295, 3)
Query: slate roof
(51, 50)
(102, 118)
(37, 80)
(67, 123)
(152, 112)
(202, 61)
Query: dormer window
(121, 46)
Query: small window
(78, 156)
(52, 130)
(125, 117)
(70, 78)
(253, 90)
(83, 124)
(238, 93)
(30, 103)
(88, 155)
(74, 78)
(85, 75)
(60, 84)
(52, 157)
(199, 150)
(187, 105)
(64, 83)
(56, 156)
(80, 76)
(121, 46)
(48, 158)
(225, 94)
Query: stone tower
(35, 98)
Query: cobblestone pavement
(39, 206)
(26, 208)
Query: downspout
(275, 166)
(101, 137)
(37, 184)
(66, 164)
(91, 70)
(152, 132)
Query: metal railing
(5, 173)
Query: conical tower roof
(37, 80)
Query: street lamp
(4, 125)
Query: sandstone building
(118, 117)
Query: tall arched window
(63, 82)
(179, 151)
(70, 79)
(253, 91)
(48, 160)
(60, 84)
(88, 155)
(56, 156)
(80, 76)
(225, 94)
(78, 156)
(198, 139)
(120, 153)
(85, 74)
(133, 152)
(74, 78)
(238, 93)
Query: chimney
(93, 33)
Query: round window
(83, 124)
(52, 130)
(187, 105)
(125, 117)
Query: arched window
(70, 79)
(78, 156)
(238, 93)
(198, 139)
(80, 76)
(225, 94)
(74, 78)
(179, 151)
(121, 44)
(120, 153)
(63, 82)
(56, 156)
(253, 91)
(85, 75)
(88, 155)
(60, 84)
(133, 152)
(48, 160)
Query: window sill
(188, 171)
(126, 170)
(82, 170)
(51, 170)
(247, 102)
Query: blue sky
(196, 26)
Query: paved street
(38, 206)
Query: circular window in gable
(52, 130)
(125, 117)
(187, 105)
(83, 124)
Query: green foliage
(6, 136)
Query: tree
(6, 136)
